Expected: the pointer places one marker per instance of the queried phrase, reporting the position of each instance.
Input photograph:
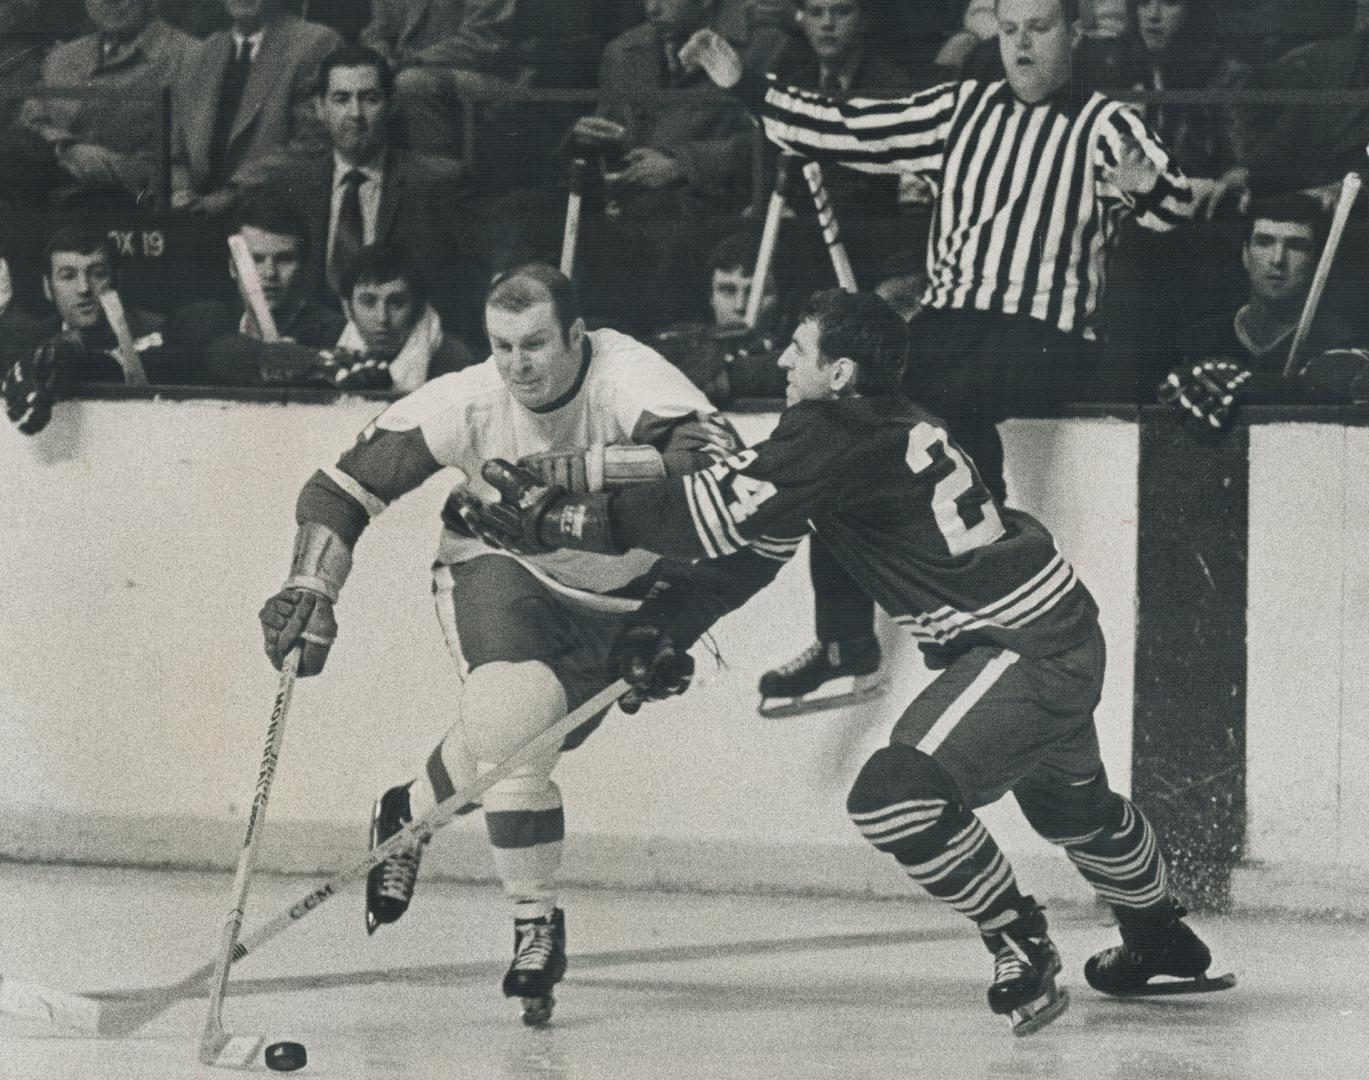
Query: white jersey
(626, 393)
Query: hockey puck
(285, 1056)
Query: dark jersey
(901, 507)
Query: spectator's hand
(650, 168)
(298, 616)
(592, 133)
(1210, 194)
(710, 52)
(1207, 391)
(1134, 173)
(184, 199)
(647, 658)
(957, 50)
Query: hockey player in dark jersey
(989, 599)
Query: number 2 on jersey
(965, 523)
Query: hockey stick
(116, 1014)
(831, 233)
(134, 373)
(1349, 189)
(770, 235)
(570, 237)
(214, 1040)
(249, 287)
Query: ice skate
(390, 885)
(1160, 946)
(802, 685)
(539, 962)
(1025, 963)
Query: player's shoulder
(458, 397)
(627, 369)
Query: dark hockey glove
(1207, 391)
(347, 370)
(30, 388)
(1340, 375)
(533, 517)
(294, 616)
(647, 658)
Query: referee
(1033, 179)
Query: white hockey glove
(598, 468)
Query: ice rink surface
(661, 987)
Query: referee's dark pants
(973, 369)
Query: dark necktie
(350, 233)
(230, 97)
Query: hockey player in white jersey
(533, 636)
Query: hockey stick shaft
(570, 236)
(1349, 190)
(770, 235)
(134, 373)
(249, 288)
(212, 1038)
(120, 1017)
(831, 231)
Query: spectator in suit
(441, 48)
(110, 139)
(364, 190)
(77, 343)
(245, 98)
(220, 343)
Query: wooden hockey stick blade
(134, 372)
(123, 1012)
(1349, 191)
(249, 287)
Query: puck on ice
(285, 1056)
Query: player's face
(248, 15)
(537, 362)
(729, 293)
(833, 27)
(118, 16)
(355, 111)
(810, 374)
(672, 18)
(74, 284)
(1160, 23)
(1037, 46)
(1280, 258)
(385, 314)
(277, 259)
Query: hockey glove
(347, 370)
(647, 658)
(30, 389)
(294, 616)
(597, 468)
(531, 517)
(1206, 391)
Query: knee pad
(1069, 814)
(896, 774)
(504, 705)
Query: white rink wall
(141, 537)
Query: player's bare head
(846, 343)
(119, 16)
(250, 15)
(537, 337)
(355, 85)
(1283, 241)
(384, 297)
(78, 265)
(835, 29)
(1037, 39)
(278, 241)
(732, 264)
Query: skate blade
(1035, 1015)
(1201, 985)
(862, 688)
(537, 1010)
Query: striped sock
(1123, 864)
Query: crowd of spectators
(382, 158)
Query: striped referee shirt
(1024, 213)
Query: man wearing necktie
(244, 100)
